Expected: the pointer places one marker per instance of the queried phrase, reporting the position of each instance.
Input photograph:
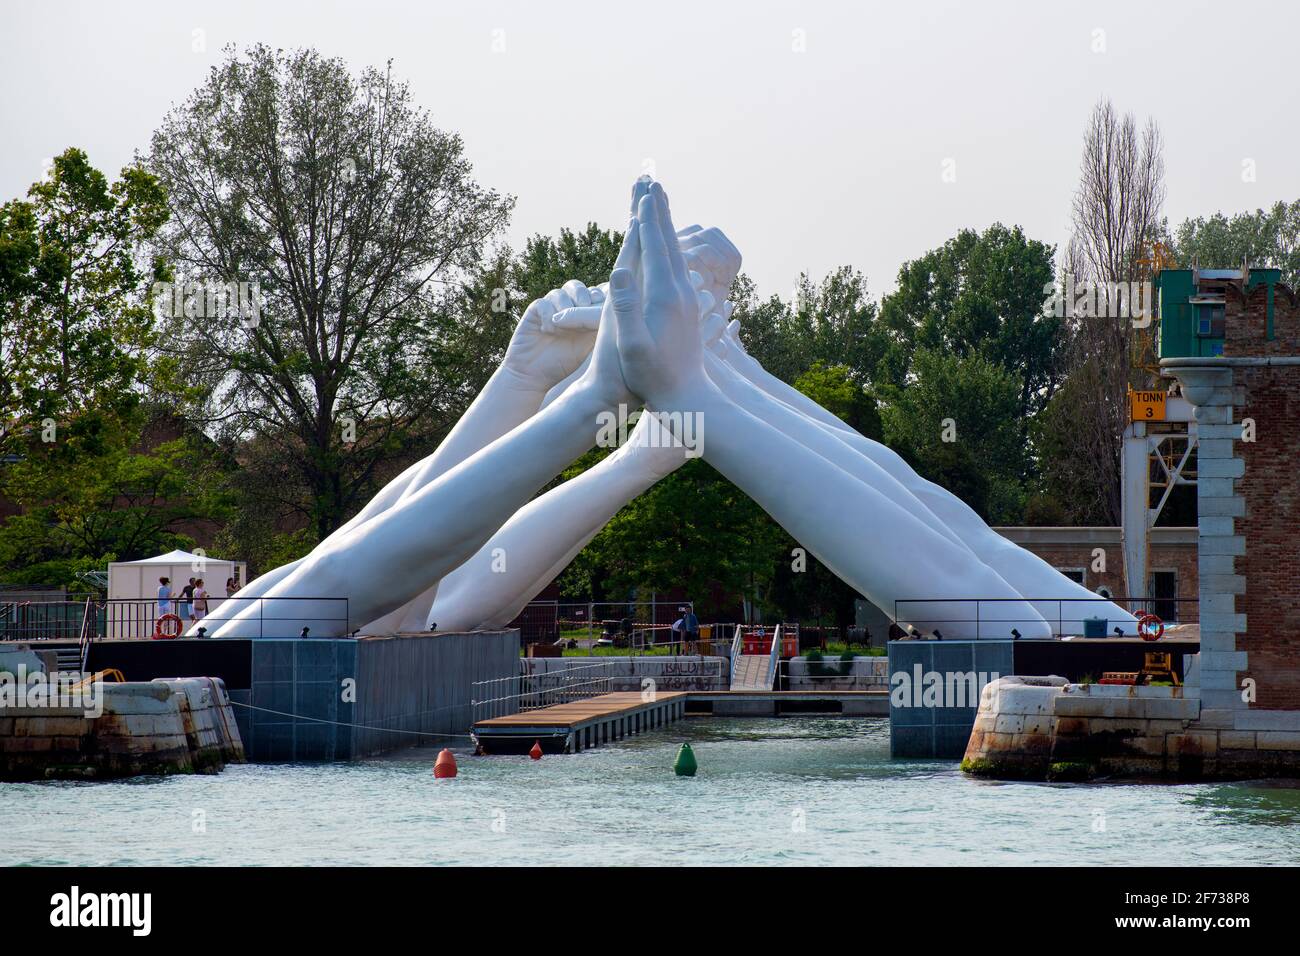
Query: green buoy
(684, 765)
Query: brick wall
(1271, 487)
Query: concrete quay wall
(179, 725)
(1046, 728)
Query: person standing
(691, 627)
(164, 596)
(186, 610)
(200, 601)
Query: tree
(81, 379)
(980, 294)
(833, 322)
(833, 388)
(75, 325)
(956, 423)
(1117, 219)
(547, 263)
(348, 216)
(1262, 238)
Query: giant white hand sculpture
(1062, 602)
(955, 555)
(391, 558)
(857, 532)
(534, 546)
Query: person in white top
(200, 606)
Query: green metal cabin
(1191, 304)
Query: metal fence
(502, 696)
(91, 619)
(997, 617)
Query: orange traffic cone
(536, 752)
(445, 765)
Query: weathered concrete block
(1237, 740)
(1277, 740)
(1009, 724)
(1193, 742)
(1225, 505)
(1259, 719)
(1216, 719)
(1223, 660)
(1221, 699)
(1217, 525)
(1214, 448)
(1071, 726)
(1148, 745)
(1223, 583)
(1038, 724)
(1223, 642)
(1235, 623)
(1127, 726)
(51, 726)
(1216, 564)
(1218, 679)
(1221, 468)
(1222, 544)
(1206, 431)
(1213, 414)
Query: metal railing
(502, 696)
(589, 620)
(989, 618)
(774, 655)
(736, 646)
(88, 619)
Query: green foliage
(834, 389)
(692, 530)
(828, 323)
(84, 506)
(1078, 494)
(980, 294)
(956, 422)
(356, 220)
(547, 263)
(81, 381)
(1262, 238)
(75, 324)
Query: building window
(1074, 574)
(1163, 589)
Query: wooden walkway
(751, 672)
(580, 724)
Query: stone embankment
(51, 729)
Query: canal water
(805, 790)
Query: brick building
(1264, 323)
(1247, 396)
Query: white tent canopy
(133, 587)
(174, 557)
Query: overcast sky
(814, 133)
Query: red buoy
(536, 752)
(445, 765)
